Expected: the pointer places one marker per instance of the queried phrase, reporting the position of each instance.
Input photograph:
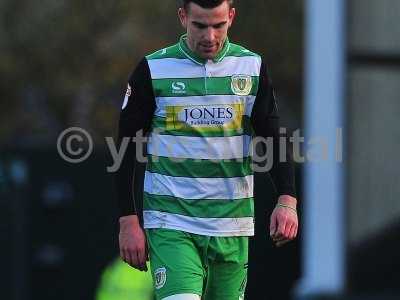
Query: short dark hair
(206, 3)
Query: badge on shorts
(241, 84)
(160, 276)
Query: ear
(232, 14)
(183, 17)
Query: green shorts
(185, 263)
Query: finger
(272, 225)
(142, 259)
(288, 229)
(147, 251)
(126, 257)
(121, 254)
(290, 234)
(281, 226)
(278, 238)
(293, 232)
(133, 259)
(145, 255)
(279, 234)
(281, 243)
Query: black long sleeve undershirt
(266, 123)
(138, 113)
(136, 116)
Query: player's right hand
(132, 243)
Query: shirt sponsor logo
(241, 84)
(205, 117)
(208, 115)
(178, 87)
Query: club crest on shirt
(241, 84)
(160, 276)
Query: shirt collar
(196, 58)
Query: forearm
(135, 121)
(130, 176)
(124, 178)
(282, 168)
(266, 123)
(282, 171)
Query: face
(206, 29)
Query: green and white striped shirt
(200, 116)
(198, 178)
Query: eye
(200, 26)
(218, 26)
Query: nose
(210, 34)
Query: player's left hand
(284, 221)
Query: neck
(193, 55)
